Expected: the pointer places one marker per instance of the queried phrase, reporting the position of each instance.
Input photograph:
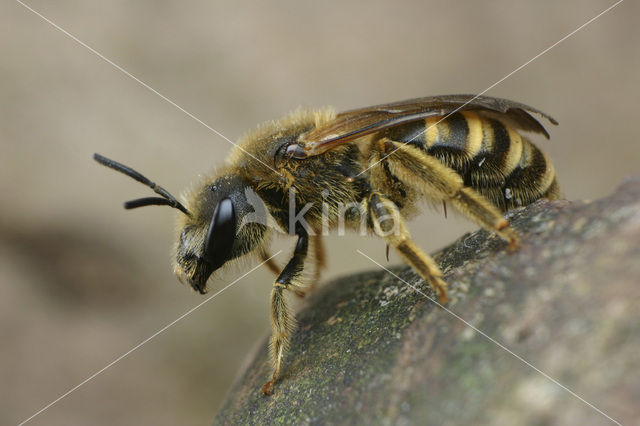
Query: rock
(540, 336)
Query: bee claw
(507, 233)
(513, 240)
(267, 388)
(441, 290)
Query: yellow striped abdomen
(489, 154)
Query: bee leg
(320, 262)
(269, 262)
(282, 321)
(476, 207)
(429, 176)
(320, 256)
(389, 224)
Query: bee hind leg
(388, 223)
(428, 175)
(473, 205)
(283, 322)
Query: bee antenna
(166, 200)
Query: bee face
(217, 230)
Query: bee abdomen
(491, 156)
(465, 138)
(494, 159)
(533, 178)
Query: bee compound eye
(221, 234)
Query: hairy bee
(299, 173)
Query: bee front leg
(282, 321)
(388, 223)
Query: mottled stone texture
(369, 349)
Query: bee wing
(353, 124)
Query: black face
(213, 235)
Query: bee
(302, 170)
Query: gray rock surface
(371, 349)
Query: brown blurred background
(82, 281)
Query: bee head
(225, 220)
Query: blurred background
(82, 281)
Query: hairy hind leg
(473, 205)
(437, 181)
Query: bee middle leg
(282, 321)
(269, 262)
(432, 178)
(389, 224)
(320, 262)
(320, 256)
